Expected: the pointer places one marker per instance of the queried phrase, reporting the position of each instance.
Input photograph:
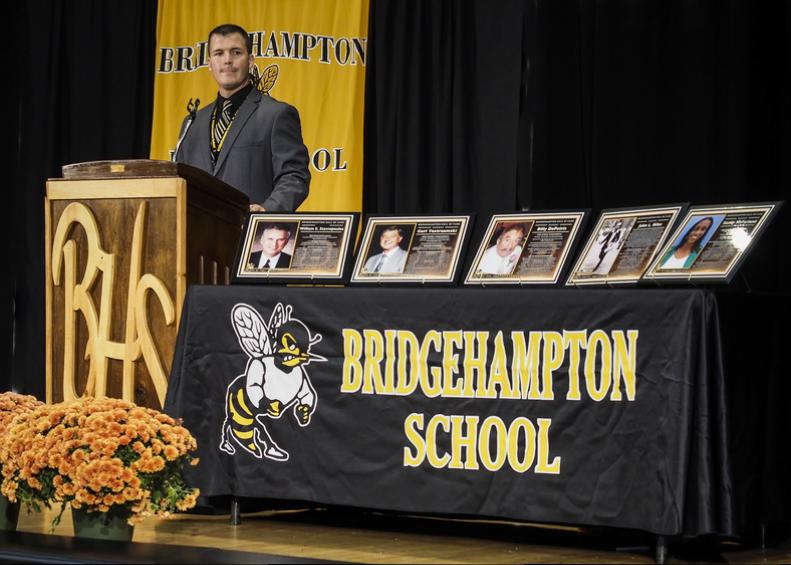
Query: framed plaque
(525, 248)
(711, 242)
(622, 244)
(307, 248)
(411, 249)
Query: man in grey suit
(251, 141)
(392, 259)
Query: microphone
(192, 111)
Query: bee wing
(251, 330)
(268, 78)
(280, 315)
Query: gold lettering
(431, 381)
(498, 373)
(475, 364)
(77, 298)
(412, 426)
(450, 364)
(543, 465)
(553, 359)
(461, 442)
(597, 391)
(572, 340)
(431, 441)
(407, 381)
(352, 368)
(390, 361)
(500, 440)
(374, 353)
(625, 364)
(513, 444)
(525, 365)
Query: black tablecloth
(406, 380)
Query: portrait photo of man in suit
(274, 238)
(246, 138)
(392, 258)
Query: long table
(588, 407)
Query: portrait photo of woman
(689, 245)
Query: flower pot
(9, 514)
(101, 525)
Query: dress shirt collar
(272, 261)
(237, 98)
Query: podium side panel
(48, 337)
(115, 324)
(213, 230)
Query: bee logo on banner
(274, 380)
(265, 81)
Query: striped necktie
(380, 263)
(221, 125)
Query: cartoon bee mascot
(275, 380)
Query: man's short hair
(275, 226)
(398, 229)
(230, 29)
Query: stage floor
(355, 536)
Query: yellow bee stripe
(238, 418)
(253, 447)
(242, 405)
(242, 435)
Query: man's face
(274, 240)
(508, 241)
(229, 62)
(389, 240)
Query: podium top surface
(121, 168)
(146, 168)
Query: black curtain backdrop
(87, 94)
(495, 107)
(470, 106)
(444, 90)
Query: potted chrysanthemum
(11, 405)
(113, 462)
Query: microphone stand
(192, 109)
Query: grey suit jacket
(283, 261)
(393, 264)
(263, 154)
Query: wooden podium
(123, 241)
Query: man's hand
(257, 208)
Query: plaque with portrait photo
(411, 249)
(711, 242)
(530, 248)
(297, 248)
(622, 245)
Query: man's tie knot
(226, 109)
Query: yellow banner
(319, 48)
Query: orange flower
(72, 452)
